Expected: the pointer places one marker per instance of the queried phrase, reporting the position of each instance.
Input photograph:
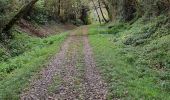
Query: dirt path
(75, 68)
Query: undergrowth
(135, 59)
(22, 58)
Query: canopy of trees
(77, 11)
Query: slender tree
(100, 7)
(96, 11)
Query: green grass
(137, 70)
(30, 54)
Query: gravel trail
(76, 68)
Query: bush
(118, 28)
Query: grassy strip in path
(16, 72)
(76, 46)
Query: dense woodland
(130, 41)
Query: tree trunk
(84, 15)
(107, 9)
(59, 7)
(102, 12)
(9, 25)
(96, 11)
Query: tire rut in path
(96, 88)
(39, 87)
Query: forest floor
(71, 74)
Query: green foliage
(117, 28)
(139, 70)
(77, 22)
(16, 71)
(38, 13)
(3, 6)
(4, 55)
